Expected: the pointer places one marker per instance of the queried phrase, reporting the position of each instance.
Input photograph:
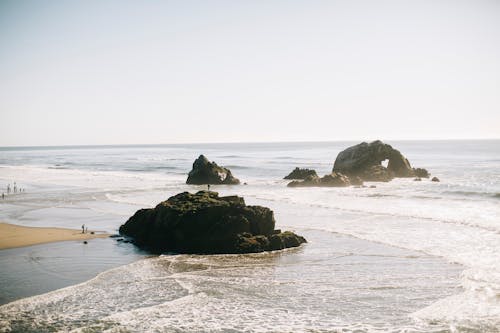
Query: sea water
(404, 256)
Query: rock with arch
(365, 160)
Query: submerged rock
(206, 172)
(299, 173)
(365, 161)
(435, 179)
(335, 179)
(206, 223)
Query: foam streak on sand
(16, 236)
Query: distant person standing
(15, 187)
(3, 196)
(83, 228)
(208, 185)
(8, 188)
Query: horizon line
(235, 142)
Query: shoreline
(13, 236)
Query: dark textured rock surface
(365, 161)
(299, 173)
(355, 180)
(435, 179)
(420, 172)
(209, 224)
(335, 179)
(376, 173)
(206, 172)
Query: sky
(140, 72)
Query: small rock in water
(335, 179)
(421, 172)
(85, 242)
(418, 179)
(299, 173)
(435, 179)
(206, 172)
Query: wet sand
(12, 236)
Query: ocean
(404, 256)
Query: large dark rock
(365, 161)
(206, 223)
(206, 172)
(299, 173)
(335, 179)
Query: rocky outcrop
(435, 179)
(207, 224)
(299, 173)
(365, 161)
(206, 172)
(375, 173)
(335, 179)
(420, 172)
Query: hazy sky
(107, 72)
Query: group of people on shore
(13, 189)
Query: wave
(371, 212)
(381, 195)
(152, 168)
(58, 167)
(233, 293)
(239, 167)
(495, 195)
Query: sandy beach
(17, 236)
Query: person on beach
(3, 196)
(8, 188)
(83, 228)
(208, 185)
(15, 187)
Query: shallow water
(37, 269)
(332, 283)
(405, 256)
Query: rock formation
(365, 161)
(335, 179)
(206, 172)
(435, 179)
(207, 224)
(422, 173)
(299, 173)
